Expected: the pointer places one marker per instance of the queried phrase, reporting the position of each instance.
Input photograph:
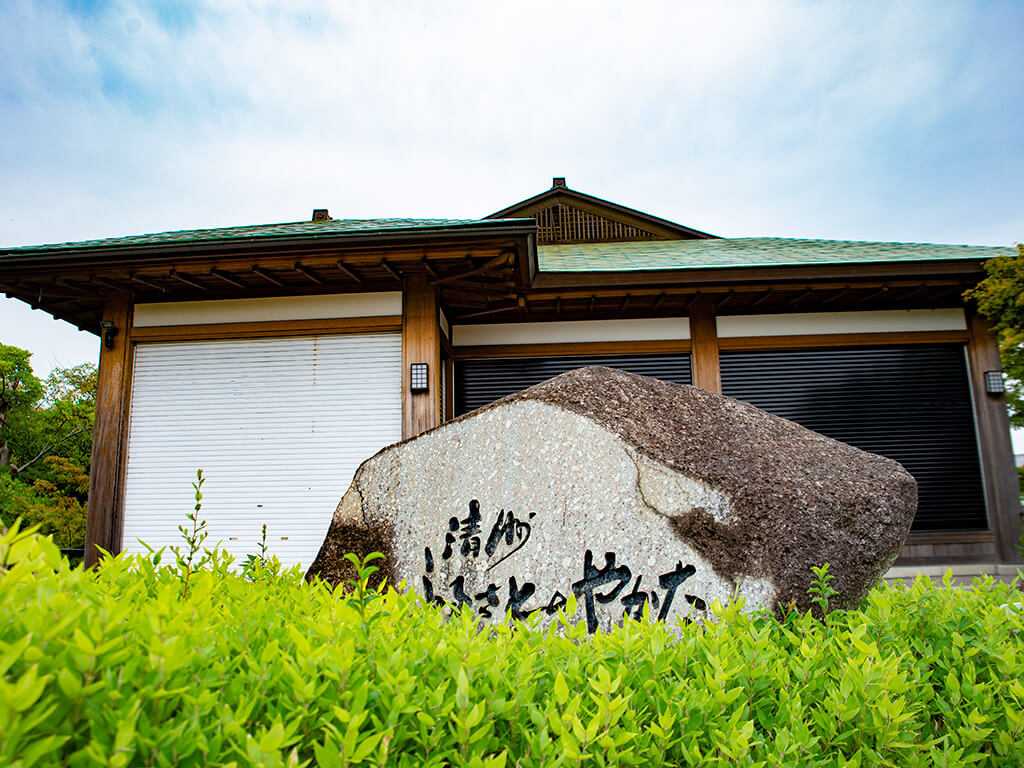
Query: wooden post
(993, 424)
(421, 343)
(105, 522)
(704, 346)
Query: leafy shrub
(118, 667)
(55, 503)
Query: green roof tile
(301, 229)
(743, 252)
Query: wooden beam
(105, 521)
(836, 296)
(348, 272)
(309, 273)
(266, 276)
(108, 284)
(492, 311)
(995, 450)
(228, 278)
(421, 343)
(186, 279)
(148, 283)
(390, 269)
(71, 287)
(497, 261)
(704, 343)
(553, 281)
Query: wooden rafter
(873, 294)
(257, 270)
(492, 311)
(836, 296)
(107, 283)
(499, 260)
(187, 280)
(347, 272)
(149, 284)
(309, 273)
(71, 287)
(227, 277)
(390, 269)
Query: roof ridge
(196, 235)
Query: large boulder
(624, 490)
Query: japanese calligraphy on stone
(603, 584)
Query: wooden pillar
(105, 522)
(421, 343)
(998, 471)
(704, 346)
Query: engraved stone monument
(627, 492)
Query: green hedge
(114, 667)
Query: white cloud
(740, 118)
(869, 121)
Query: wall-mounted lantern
(418, 378)
(994, 382)
(109, 332)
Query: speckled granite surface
(633, 494)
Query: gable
(562, 222)
(564, 215)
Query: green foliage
(263, 565)
(193, 538)
(821, 590)
(1000, 299)
(112, 666)
(45, 445)
(55, 503)
(19, 387)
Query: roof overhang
(73, 281)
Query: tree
(41, 419)
(56, 504)
(20, 390)
(45, 446)
(1000, 299)
(62, 422)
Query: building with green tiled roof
(216, 343)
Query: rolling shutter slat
(482, 381)
(910, 403)
(278, 427)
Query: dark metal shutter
(910, 403)
(482, 381)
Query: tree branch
(15, 471)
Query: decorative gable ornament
(565, 215)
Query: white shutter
(278, 426)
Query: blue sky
(875, 121)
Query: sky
(869, 120)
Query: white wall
(275, 308)
(732, 326)
(643, 329)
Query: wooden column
(993, 425)
(421, 343)
(704, 346)
(105, 522)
